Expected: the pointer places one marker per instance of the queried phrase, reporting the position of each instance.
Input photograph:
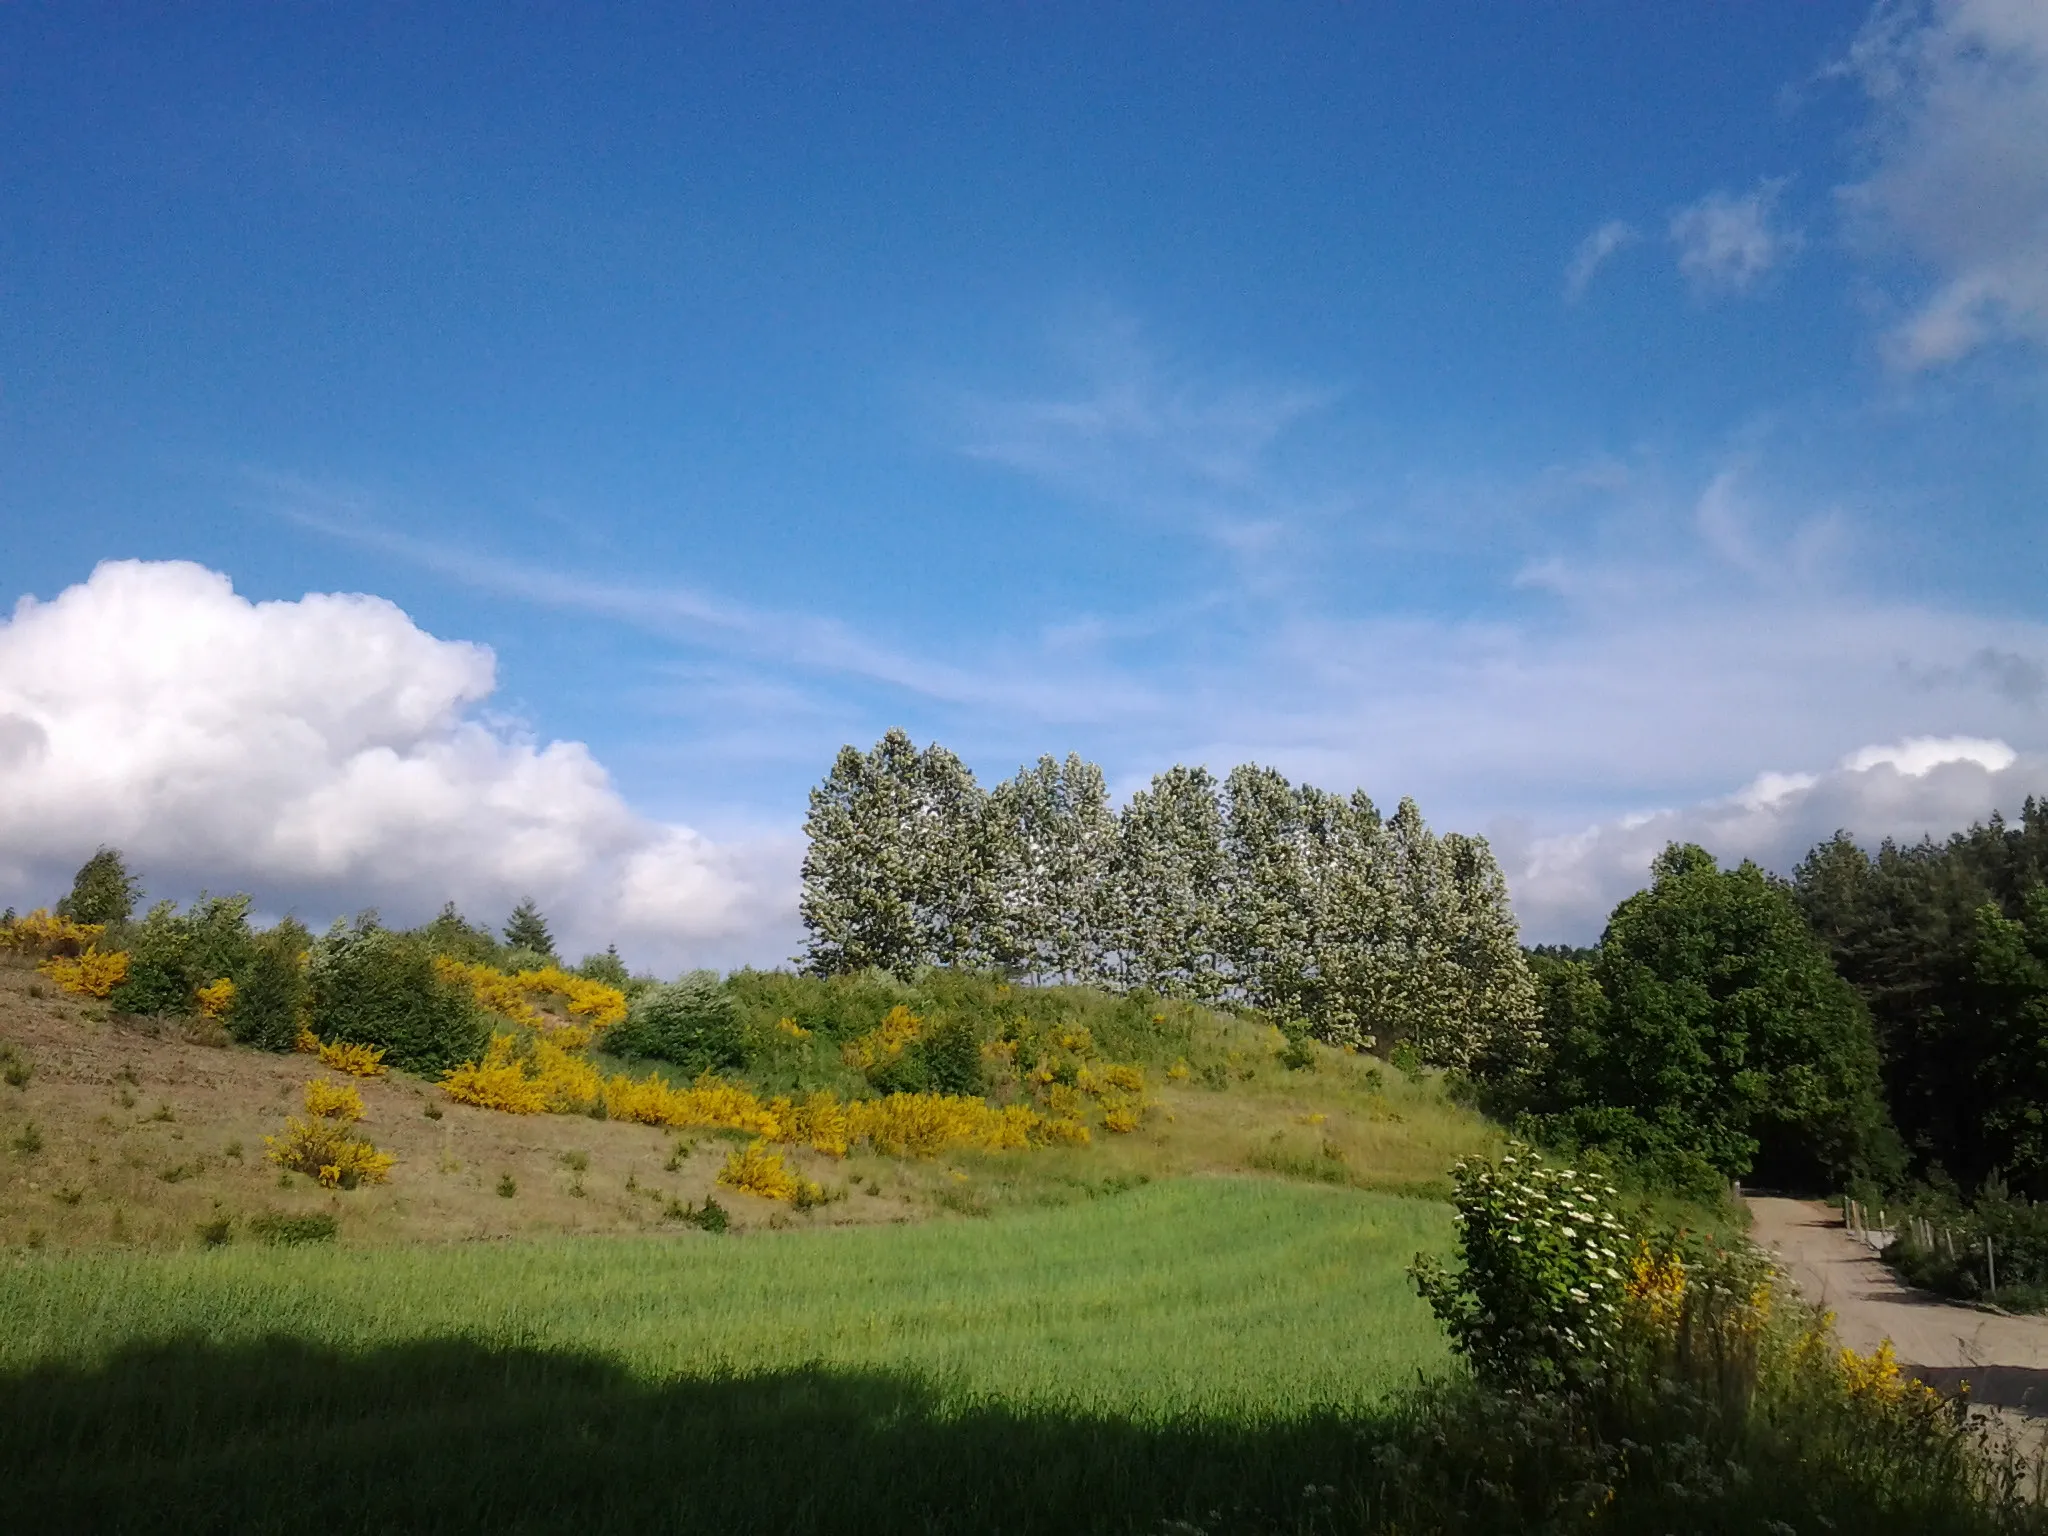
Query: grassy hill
(138, 1132)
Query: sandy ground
(2004, 1359)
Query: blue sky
(1562, 414)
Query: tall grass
(1236, 1297)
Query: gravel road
(2004, 1359)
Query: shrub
(371, 986)
(607, 968)
(1536, 1299)
(692, 1023)
(91, 974)
(285, 1230)
(271, 996)
(322, 1145)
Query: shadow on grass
(453, 1436)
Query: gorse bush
(323, 1145)
(371, 986)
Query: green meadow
(1205, 1350)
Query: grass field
(1194, 1346)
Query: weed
(125, 1098)
(163, 1113)
(432, 1111)
(69, 1195)
(178, 1173)
(127, 1074)
(284, 1178)
(676, 1155)
(217, 1231)
(576, 1162)
(232, 1149)
(507, 1186)
(30, 1141)
(14, 1067)
(36, 1238)
(284, 1230)
(35, 989)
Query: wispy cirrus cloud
(1593, 253)
(803, 642)
(1129, 437)
(1727, 243)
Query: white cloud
(1565, 886)
(1592, 255)
(327, 754)
(1959, 178)
(1726, 244)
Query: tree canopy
(1301, 902)
(1710, 1035)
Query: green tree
(2004, 1035)
(102, 891)
(526, 929)
(1715, 1038)
(692, 1023)
(270, 998)
(371, 986)
(1169, 885)
(607, 968)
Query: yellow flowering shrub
(597, 1004)
(355, 1060)
(39, 930)
(884, 1043)
(1654, 1288)
(323, 1145)
(791, 1028)
(754, 1170)
(307, 1043)
(90, 974)
(216, 998)
(1121, 1115)
(334, 1101)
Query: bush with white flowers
(1536, 1299)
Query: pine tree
(102, 891)
(528, 930)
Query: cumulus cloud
(1726, 244)
(1959, 91)
(326, 754)
(1592, 255)
(1565, 886)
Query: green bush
(171, 954)
(1535, 1300)
(692, 1023)
(371, 986)
(288, 1231)
(271, 996)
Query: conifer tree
(527, 929)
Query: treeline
(1303, 903)
(1880, 1019)
(360, 981)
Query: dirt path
(2004, 1359)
